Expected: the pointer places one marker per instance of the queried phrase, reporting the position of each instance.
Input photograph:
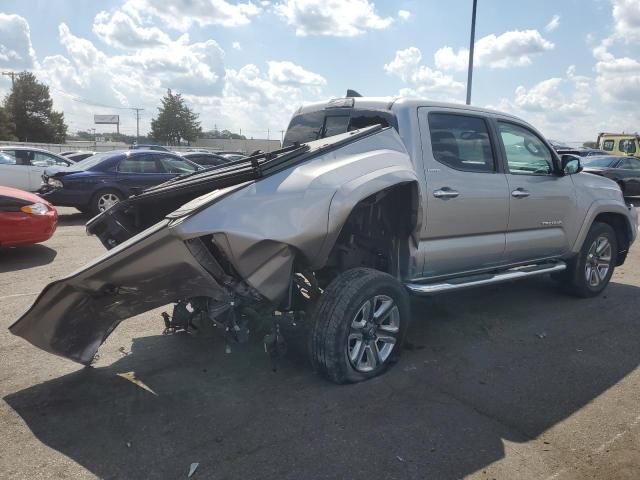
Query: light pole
(471, 45)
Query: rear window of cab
(307, 127)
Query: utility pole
(13, 77)
(471, 45)
(137, 110)
(281, 137)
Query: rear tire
(359, 325)
(104, 199)
(589, 273)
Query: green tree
(7, 128)
(175, 122)
(30, 107)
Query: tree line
(27, 115)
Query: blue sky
(571, 68)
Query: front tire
(359, 325)
(590, 272)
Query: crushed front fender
(72, 317)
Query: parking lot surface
(512, 381)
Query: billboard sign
(106, 119)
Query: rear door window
(41, 159)
(627, 146)
(140, 164)
(461, 142)
(307, 127)
(630, 164)
(177, 165)
(608, 145)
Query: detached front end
(219, 243)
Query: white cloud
(82, 51)
(618, 78)
(288, 73)
(86, 80)
(511, 49)
(236, 46)
(404, 14)
(119, 30)
(561, 107)
(340, 18)
(421, 79)
(447, 59)
(626, 15)
(253, 102)
(16, 51)
(182, 14)
(570, 96)
(553, 23)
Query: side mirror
(570, 164)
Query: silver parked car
(370, 200)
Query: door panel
(467, 205)
(629, 171)
(542, 204)
(16, 176)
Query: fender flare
(351, 193)
(596, 208)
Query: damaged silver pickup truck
(369, 200)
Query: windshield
(603, 162)
(92, 161)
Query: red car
(25, 218)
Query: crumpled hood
(59, 171)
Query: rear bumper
(72, 317)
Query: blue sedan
(95, 184)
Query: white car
(22, 167)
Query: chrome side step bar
(471, 281)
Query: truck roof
(394, 103)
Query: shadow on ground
(20, 258)
(507, 362)
(69, 219)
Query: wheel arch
(617, 217)
(395, 196)
(622, 228)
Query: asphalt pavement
(512, 381)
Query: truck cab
(370, 200)
(619, 143)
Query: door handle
(520, 193)
(445, 193)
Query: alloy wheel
(107, 200)
(598, 261)
(373, 333)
